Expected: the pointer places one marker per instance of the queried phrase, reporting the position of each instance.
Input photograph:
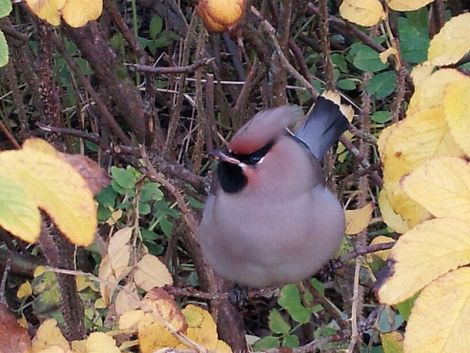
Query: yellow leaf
(421, 72)
(130, 319)
(422, 136)
(151, 272)
(79, 346)
(100, 304)
(426, 252)
(48, 334)
(442, 186)
(25, 290)
(440, 317)
(390, 217)
(407, 5)
(457, 112)
(48, 10)
(429, 92)
(19, 214)
(201, 326)
(78, 12)
(385, 54)
(99, 342)
(392, 342)
(152, 331)
(362, 12)
(222, 347)
(383, 254)
(358, 220)
(220, 15)
(107, 277)
(452, 42)
(56, 188)
(55, 349)
(39, 270)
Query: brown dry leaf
(107, 278)
(13, 337)
(220, 15)
(96, 177)
(152, 332)
(49, 335)
(358, 220)
(119, 252)
(151, 272)
(127, 299)
(99, 342)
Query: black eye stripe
(254, 157)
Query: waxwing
(270, 219)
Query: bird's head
(253, 142)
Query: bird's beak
(218, 154)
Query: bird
(269, 219)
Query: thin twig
(172, 70)
(269, 29)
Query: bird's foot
(238, 296)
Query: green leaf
(346, 84)
(289, 299)
(277, 324)
(156, 25)
(404, 308)
(107, 197)
(266, 343)
(339, 61)
(389, 320)
(382, 84)
(151, 192)
(19, 214)
(392, 342)
(125, 178)
(381, 116)
(5, 8)
(291, 341)
(144, 208)
(3, 50)
(367, 59)
(414, 42)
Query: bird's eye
(255, 159)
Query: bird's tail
(324, 125)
